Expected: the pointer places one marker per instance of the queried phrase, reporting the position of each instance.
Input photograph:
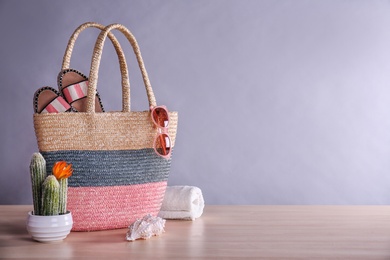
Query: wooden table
(225, 232)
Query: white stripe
(73, 93)
(84, 87)
(58, 106)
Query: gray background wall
(280, 102)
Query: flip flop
(49, 100)
(74, 87)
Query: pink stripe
(101, 208)
(63, 103)
(79, 91)
(51, 109)
(76, 91)
(67, 95)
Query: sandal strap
(56, 106)
(76, 91)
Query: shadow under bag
(118, 176)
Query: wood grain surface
(223, 232)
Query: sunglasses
(162, 143)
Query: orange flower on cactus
(62, 170)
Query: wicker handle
(96, 57)
(119, 51)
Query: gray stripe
(111, 168)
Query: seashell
(145, 228)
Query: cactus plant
(63, 195)
(50, 196)
(38, 175)
(49, 192)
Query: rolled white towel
(182, 202)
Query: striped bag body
(118, 177)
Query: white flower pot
(49, 228)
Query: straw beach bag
(118, 176)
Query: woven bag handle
(119, 51)
(96, 57)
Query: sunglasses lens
(163, 144)
(160, 117)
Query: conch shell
(145, 228)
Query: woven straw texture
(121, 167)
(93, 131)
(113, 206)
(117, 176)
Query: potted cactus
(49, 221)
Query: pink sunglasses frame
(162, 131)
